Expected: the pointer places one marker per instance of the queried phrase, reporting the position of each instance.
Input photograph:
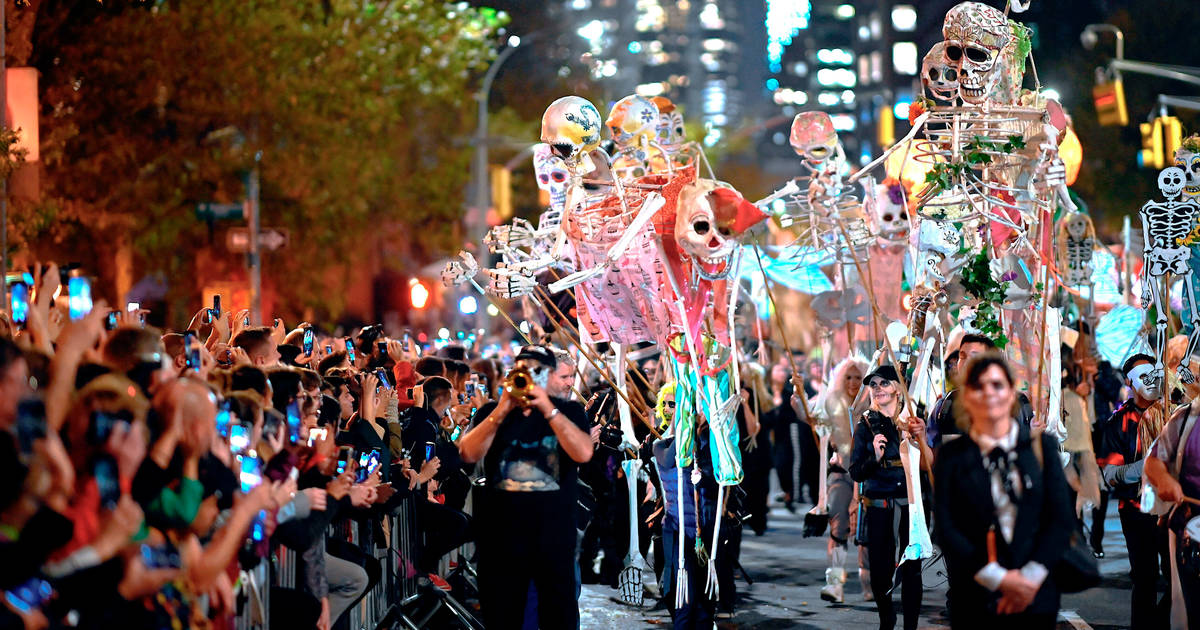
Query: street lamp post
(481, 195)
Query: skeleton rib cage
(953, 132)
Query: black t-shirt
(526, 457)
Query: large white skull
(571, 126)
(709, 219)
(1189, 161)
(1171, 181)
(631, 119)
(975, 35)
(1078, 226)
(551, 174)
(940, 78)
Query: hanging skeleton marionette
(1076, 244)
(1165, 225)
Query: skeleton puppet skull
(632, 119)
(976, 35)
(670, 129)
(551, 174)
(571, 126)
(1187, 157)
(890, 211)
(709, 220)
(814, 138)
(939, 77)
(1171, 181)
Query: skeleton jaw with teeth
(976, 38)
(710, 218)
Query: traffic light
(502, 192)
(1110, 103)
(1151, 155)
(886, 135)
(1172, 132)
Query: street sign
(210, 210)
(237, 240)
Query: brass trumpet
(519, 384)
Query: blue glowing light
(785, 19)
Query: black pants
(1099, 514)
(522, 539)
(881, 551)
(810, 465)
(443, 529)
(291, 608)
(1189, 584)
(785, 460)
(1148, 559)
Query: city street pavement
(789, 570)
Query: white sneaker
(833, 590)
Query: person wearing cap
(525, 507)
(942, 422)
(875, 463)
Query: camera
(610, 436)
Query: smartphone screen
(29, 596)
(430, 449)
(193, 351)
(293, 421)
(308, 342)
(345, 454)
(215, 311)
(316, 434)
(251, 475)
(350, 349)
(368, 463)
(104, 470)
(406, 341)
(258, 529)
(100, 426)
(19, 296)
(382, 345)
(133, 307)
(328, 349)
(381, 374)
(223, 415)
(239, 438)
(79, 297)
(31, 423)
(160, 557)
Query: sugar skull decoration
(670, 130)
(551, 174)
(976, 36)
(814, 138)
(938, 76)
(571, 126)
(890, 211)
(708, 222)
(632, 120)
(1187, 158)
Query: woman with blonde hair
(835, 409)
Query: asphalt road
(788, 571)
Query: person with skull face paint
(525, 508)
(1121, 451)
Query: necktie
(1001, 462)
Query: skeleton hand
(511, 283)
(1185, 374)
(518, 234)
(1147, 292)
(460, 271)
(1052, 174)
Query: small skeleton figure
(889, 211)
(1165, 225)
(1076, 242)
(939, 78)
(671, 136)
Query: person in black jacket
(875, 463)
(1003, 512)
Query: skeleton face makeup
(1145, 382)
(1189, 162)
(939, 77)
(975, 35)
